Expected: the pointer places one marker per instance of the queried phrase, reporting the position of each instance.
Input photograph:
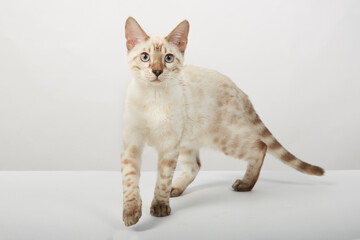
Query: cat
(177, 109)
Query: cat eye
(169, 58)
(144, 57)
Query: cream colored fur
(182, 110)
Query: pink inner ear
(130, 44)
(181, 45)
(179, 35)
(134, 33)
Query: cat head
(155, 60)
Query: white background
(63, 74)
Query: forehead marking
(158, 47)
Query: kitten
(177, 109)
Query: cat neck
(162, 92)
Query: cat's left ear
(179, 35)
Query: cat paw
(160, 209)
(241, 186)
(131, 215)
(175, 192)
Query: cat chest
(163, 120)
(160, 115)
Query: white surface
(63, 73)
(87, 205)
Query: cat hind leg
(254, 153)
(243, 146)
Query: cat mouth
(156, 80)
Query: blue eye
(145, 57)
(169, 58)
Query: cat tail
(277, 150)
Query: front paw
(158, 209)
(131, 214)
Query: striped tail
(277, 150)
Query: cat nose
(157, 72)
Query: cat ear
(134, 33)
(179, 35)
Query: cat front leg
(130, 172)
(190, 166)
(166, 166)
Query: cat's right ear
(134, 33)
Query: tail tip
(317, 171)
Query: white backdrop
(63, 74)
